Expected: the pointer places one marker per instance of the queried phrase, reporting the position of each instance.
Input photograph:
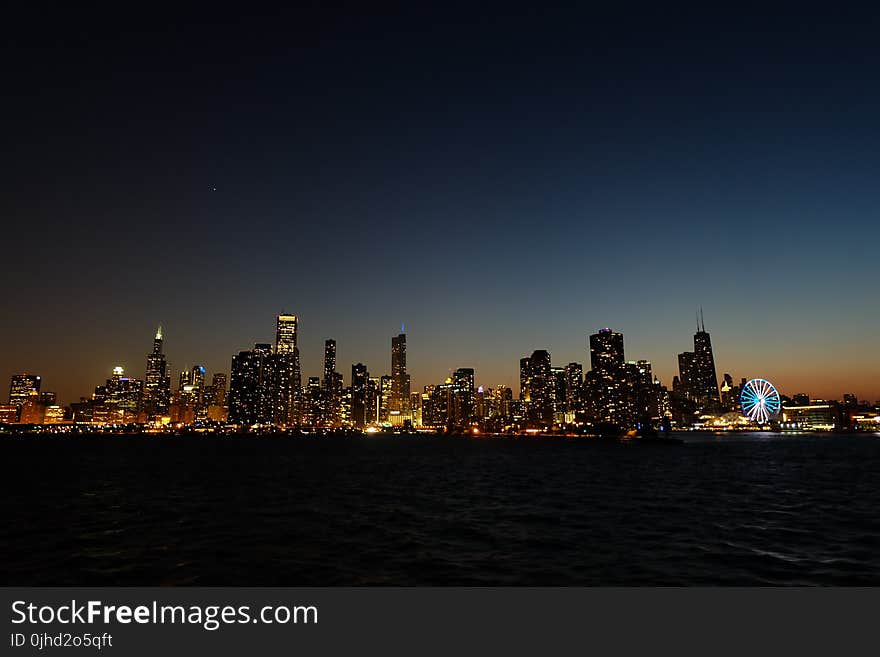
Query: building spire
(159, 332)
(702, 321)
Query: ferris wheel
(760, 401)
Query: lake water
(747, 509)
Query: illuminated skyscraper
(385, 397)
(286, 381)
(574, 383)
(312, 404)
(372, 403)
(214, 398)
(285, 334)
(606, 351)
(463, 397)
(608, 384)
(218, 386)
(197, 376)
(191, 398)
(537, 388)
(157, 382)
(560, 399)
(24, 387)
(400, 382)
(415, 408)
(438, 405)
(119, 398)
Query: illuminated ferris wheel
(760, 401)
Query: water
(751, 509)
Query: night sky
(501, 182)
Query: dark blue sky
(499, 180)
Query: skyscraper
(438, 407)
(218, 386)
(331, 387)
(371, 405)
(197, 376)
(400, 382)
(705, 378)
(537, 388)
(385, 396)
(606, 351)
(312, 403)
(608, 384)
(463, 396)
(215, 406)
(648, 396)
(329, 362)
(24, 387)
(286, 382)
(686, 374)
(525, 375)
(285, 334)
(184, 379)
(157, 382)
(120, 395)
(360, 382)
(249, 379)
(574, 383)
(560, 398)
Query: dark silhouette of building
(331, 387)
(250, 378)
(360, 385)
(730, 394)
(400, 381)
(704, 377)
(685, 387)
(650, 399)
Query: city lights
(266, 392)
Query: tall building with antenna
(157, 382)
(704, 379)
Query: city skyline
(287, 339)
